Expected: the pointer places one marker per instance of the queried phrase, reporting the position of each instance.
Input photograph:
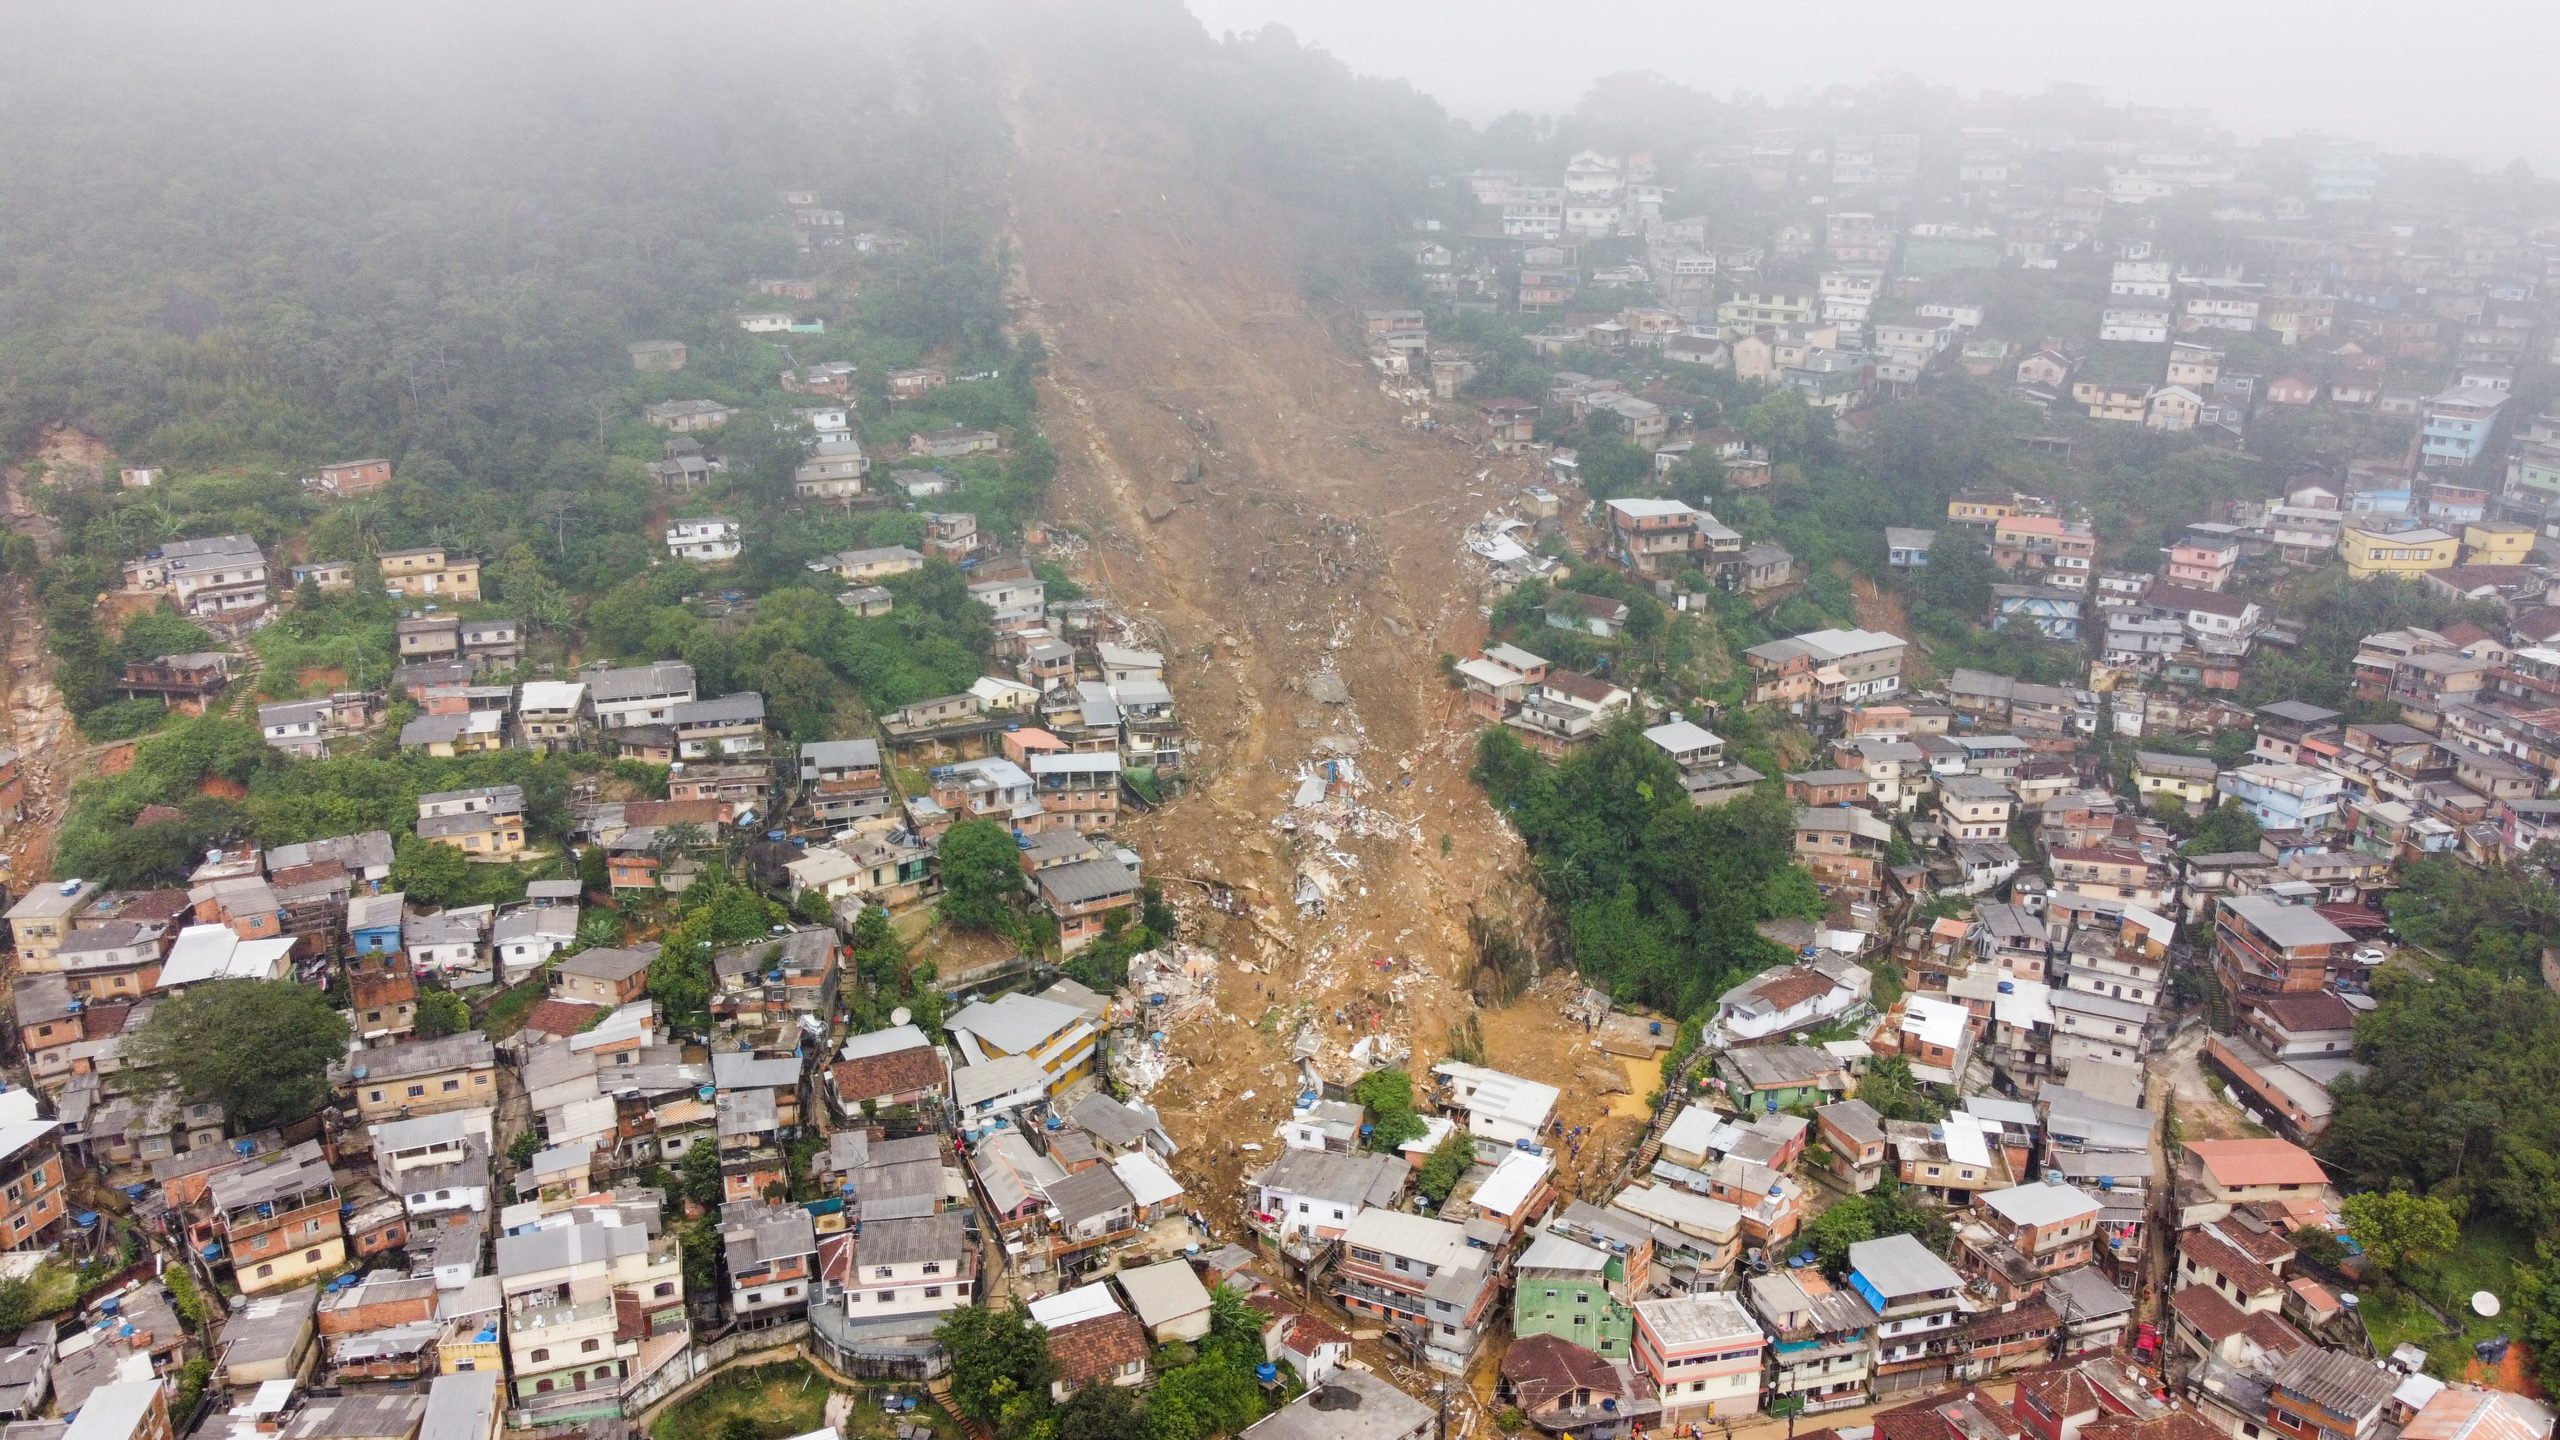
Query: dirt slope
(1320, 539)
(50, 757)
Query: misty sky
(2470, 81)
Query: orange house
(31, 1189)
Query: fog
(2479, 90)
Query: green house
(1570, 1290)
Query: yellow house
(2187, 777)
(2395, 552)
(470, 1344)
(2497, 543)
(2110, 400)
(431, 573)
(1983, 510)
(424, 1077)
(1056, 1034)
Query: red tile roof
(560, 1017)
(2209, 1251)
(895, 1072)
(1543, 1367)
(2239, 1164)
(1092, 1349)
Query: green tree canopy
(981, 875)
(2398, 1229)
(260, 1049)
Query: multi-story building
(895, 1268)
(1420, 1278)
(2061, 553)
(1826, 669)
(1055, 1036)
(31, 1184)
(276, 1218)
(2262, 943)
(2021, 1235)
(452, 1072)
(771, 1252)
(43, 919)
(2285, 796)
(1703, 1353)
(431, 572)
(222, 579)
(1577, 1292)
(1821, 1343)
(1918, 1301)
(2458, 423)
(586, 1293)
(485, 820)
(2371, 552)
(1081, 789)
(728, 727)
(704, 539)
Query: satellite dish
(2484, 1304)
(901, 1015)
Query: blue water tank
(1267, 1373)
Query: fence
(695, 1367)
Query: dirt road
(1304, 586)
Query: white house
(1499, 1107)
(899, 1267)
(1792, 997)
(525, 937)
(707, 539)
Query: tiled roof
(1091, 1349)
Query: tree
(1789, 1406)
(1849, 1220)
(18, 1302)
(2535, 1294)
(2399, 1228)
(260, 1049)
(1782, 423)
(981, 875)
(1098, 1412)
(999, 1359)
(1387, 1095)
(2225, 829)
(1445, 1166)
(428, 871)
(680, 981)
(441, 1013)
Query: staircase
(2217, 1003)
(241, 701)
(939, 1387)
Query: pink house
(1702, 1351)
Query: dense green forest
(1658, 900)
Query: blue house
(2052, 614)
(1906, 548)
(373, 923)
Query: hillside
(1319, 542)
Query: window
(931, 1267)
(310, 1257)
(888, 1296)
(541, 1354)
(266, 1270)
(589, 1346)
(452, 1085)
(417, 1090)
